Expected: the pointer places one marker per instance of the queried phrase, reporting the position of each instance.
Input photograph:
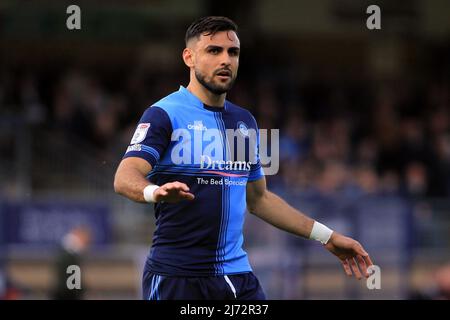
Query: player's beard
(213, 87)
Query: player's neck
(206, 96)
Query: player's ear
(188, 57)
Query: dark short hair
(209, 26)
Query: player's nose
(225, 59)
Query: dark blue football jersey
(214, 150)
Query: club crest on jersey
(242, 127)
(140, 133)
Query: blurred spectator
(439, 289)
(416, 179)
(73, 246)
(8, 289)
(442, 279)
(367, 179)
(293, 139)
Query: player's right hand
(173, 192)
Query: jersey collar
(194, 100)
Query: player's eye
(234, 52)
(214, 50)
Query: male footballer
(182, 159)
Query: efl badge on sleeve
(140, 133)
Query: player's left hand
(351, 254)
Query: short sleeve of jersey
(256, 170)
(152, 136)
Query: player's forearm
(130, 183)
(274, 210)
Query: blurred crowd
(388, 141)
(355, 138)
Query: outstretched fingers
(186, 195)
(346, 266)
(355, 268)
(364, 261)
(362, 265)
(367, 260)
(182, 186)
(176, 186)
(175, 191)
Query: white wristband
(320, 233)
(149, 191)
